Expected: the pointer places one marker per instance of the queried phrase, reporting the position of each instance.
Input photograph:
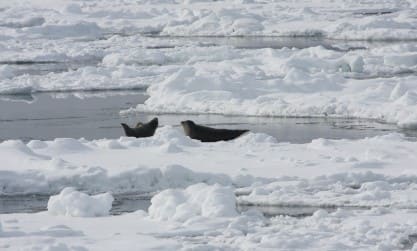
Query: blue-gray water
(37, 203)
(126, 203)
(95, 115)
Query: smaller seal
(209, 134)
(141, 130)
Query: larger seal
(209, 134)
(141, 130)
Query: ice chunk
(196, 200)
(77, 204)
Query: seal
(141, 130)
(209, 134)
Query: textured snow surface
(390, 19)
(70, 202)
(198, 185)
(371, 172)
(101, 45)
(196, 200)
(376, 229)
(362, 192)
(293, 82)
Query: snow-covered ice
(372, 180)
(364, 66)
(197, 200)
(105, 46)
(292, 82)
(145, 165)
(389, 19)
(70, 202)
(377, 229)
(371, 172)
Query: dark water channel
(37, 203)
(95, 115)
(36, 67)
(127, 203)
(255, 42)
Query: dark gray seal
(141, 130)
(209, 134)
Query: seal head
(141, 130)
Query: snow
(70, 202)
(379, 229)
(105, 46)
(361, 63)
(362, 192)
(196, 200)
(334, 19)
(365, 173)
(307, 82)
(313, 81)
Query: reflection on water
(28, 98)
(256, 42)
(95, 115)
(23, 203)
(126, 203)
(54, 115)
(123, 203)
(39, 67)
(298, 211)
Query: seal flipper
(236, 133)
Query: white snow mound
(196, 200)
(77, 204)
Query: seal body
(209, 134)
(141, 130)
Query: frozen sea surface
(326, 87)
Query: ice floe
(335, 19)
(362, 191)
(172, 160)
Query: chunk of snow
(70, 202)
(196, 200)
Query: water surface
(95, 115)
(34, 203)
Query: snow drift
(70, 202)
